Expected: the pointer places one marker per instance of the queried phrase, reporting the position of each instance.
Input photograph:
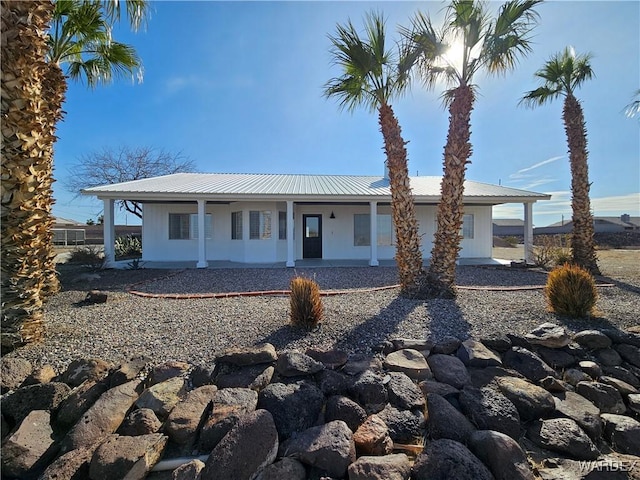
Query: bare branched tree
(124, 164)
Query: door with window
(312, 238)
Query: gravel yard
(196, 330)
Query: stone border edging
(324, 293)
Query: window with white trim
(467, 226)
(259, 225)
(184, 226)
(236, 225)
(362, 230)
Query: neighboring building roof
(627, 221)
(232, 186)
(508, 222)
(59, 221)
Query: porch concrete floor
(305, 263)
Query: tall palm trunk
(582, 243)
(408, 254)
(446, 245)
(54, 88)
(26, 171)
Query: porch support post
(109, 233)
(528, 232)
(373, 208)
(290, 250)
(202, 235)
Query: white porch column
(373, 209)
(528, 232)
(202, 235)
(109, 233)
(290, 250)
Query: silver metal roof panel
(281, 185)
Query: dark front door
(312, 239)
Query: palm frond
(633, 109)
(508, 38)
(80, 38)
(539, 96)
(422, 47)
(562, 74)
(370, 71)
(138, 11)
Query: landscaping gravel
(197, 330)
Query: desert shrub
(305, 302)
(551, 251)
(512, 241)
(135, 264)
(90, 256)
(128, 246)
(571, 291)
(562, 257)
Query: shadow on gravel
(283, 336)
(445, 319)
(377, 328)
(619, 284)
(587, 323)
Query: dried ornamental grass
(571, 291)
(306, 306)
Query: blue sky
(237, 87)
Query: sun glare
(454, 57)
(455, 54)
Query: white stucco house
(272, 218)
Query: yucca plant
(306, 306)
(128, 246)
(571, 290)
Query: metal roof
(238, 186)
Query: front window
(259, 225)
(362, 230)
(282, 225)
(184, 226)
(236, 225)
(467, 226)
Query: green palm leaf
(80, 38)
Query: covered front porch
(290, 233)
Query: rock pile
(545, 405)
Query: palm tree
(494, 44)
(370, 77)
(26, 173)
(562, 75)
(39, 37)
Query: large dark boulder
(295, 407)
(329, 447)
(490, 410)
(245, 451)
(528, 364)
(446, 459)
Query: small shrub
(563, 256)
(128, 246)
(90, 256)
(135, 264)
(306, 305)
(571, 291)
(551, 251)
(512, 241)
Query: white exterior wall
(337, 233)
(481, 246)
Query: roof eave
(194, 196)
